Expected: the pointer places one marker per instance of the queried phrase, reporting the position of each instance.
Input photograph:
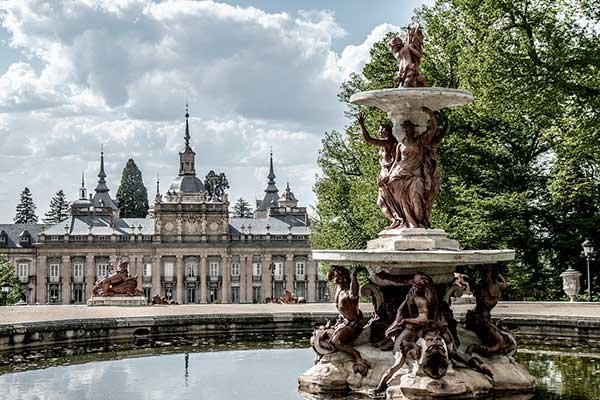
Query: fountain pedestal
(411, 271)
(391, 261)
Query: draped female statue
(409, 180)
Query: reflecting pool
(239, 371)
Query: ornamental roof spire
(187, 158)
(102, 175)
(187, 126)
(271, 173)
(82, 189)
(271, 192)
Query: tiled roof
(101, 226)
(14, 230)
(259, 226)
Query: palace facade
(188, 248)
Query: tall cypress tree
(59, 209)
(132, 195)
(26, 209)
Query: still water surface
(248, 373)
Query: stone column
(226, 271)
(65, 273)
(41, 273)
(203, 277)
(288, 271)
(156, 289)
(90, 275)
(136, 263)
(180, 274)
(311, 271)
(249, 279)
(243, 278)
(267, 285)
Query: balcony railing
(278, 278)
(235, 278)
(77, 279)
(301, 278)
(169, 278)
(189, 278)
(53, 279)
(24, 279)
(214, 278)
(256, 278)
(146, 278)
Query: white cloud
(22, 90)
(354, 57)
(118, 73)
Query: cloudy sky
(78, 74)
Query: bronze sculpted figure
(479, 320)
(409, 180)
(409, 58)
(349, 324)
(418, 311)
(387, 144)
(119, 282)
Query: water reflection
(257, 374)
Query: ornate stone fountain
(412, 347)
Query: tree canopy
(26, 209)
(216, 184)
(242, 209)
(8, 275)
(520, 167)
(59, 209)
(132, 195)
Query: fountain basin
(406, 259)
(410, 99)
(407, 103)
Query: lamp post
(5, 288)
(589, 254)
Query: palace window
(256, 294)
(235, 294)
(300, 268)
(102, 269)
(213, 268)
(54, 270)
(256, 270)
(23, 270)
(191, 295)
(191, 269)
(78, 294)
(169, 268)
(278, 268)
(78, 270)
(147, 269)
(235, 269)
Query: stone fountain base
(333, 375)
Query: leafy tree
(59, 209)
(215, 184)
(520, 165)
(132, 195)
(242, 209)
(7, 274)
(26, 209)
